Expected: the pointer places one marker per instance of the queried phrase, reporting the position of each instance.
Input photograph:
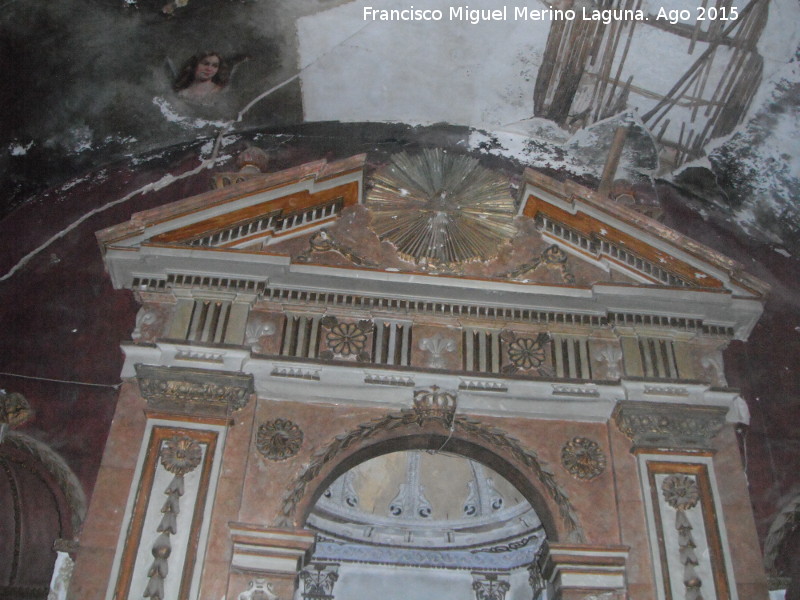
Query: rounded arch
(58, 469)
(409, 430)
(41, 502)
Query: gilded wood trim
(590, 226)
(143, 493)
(292, 202)
(710, 522)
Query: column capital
(669, 425)
(568, 568)
(259, 549)
(194, 391)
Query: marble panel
(90, 574)
(102, 526)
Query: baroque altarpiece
(425, 379)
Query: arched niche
(40, 501)
(469, 438)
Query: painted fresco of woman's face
(207, 68)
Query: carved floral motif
(180, 455)
(489, 587)
(610, 355)
(346, 339)
(680, 492)
(583, 458)
(553, 258)
(669, 425)
(196, 390)
(526, 353)
(255, 331)
(436, 346)
(318, 581)
(322, 241)
(279, 439)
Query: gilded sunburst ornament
(441, 209)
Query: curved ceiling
(423, 499)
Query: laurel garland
(493, 436)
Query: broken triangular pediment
(434, 213)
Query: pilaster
(686, 526)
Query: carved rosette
(583, 458)
(680, 492)
(662, 425)
(346, 340)
(525, 353)
(180, 455)
(279, 439)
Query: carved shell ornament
(279, 439)
(583, 458)
(441, 209)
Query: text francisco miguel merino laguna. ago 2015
(476, 16)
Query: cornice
(360, 384)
